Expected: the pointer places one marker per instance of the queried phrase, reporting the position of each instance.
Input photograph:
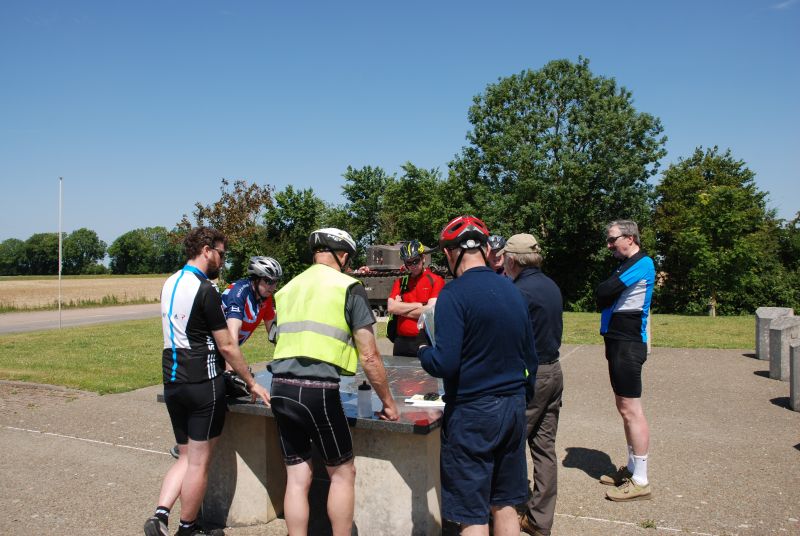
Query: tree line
(557, 152)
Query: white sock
(630, 459)
(640, 470)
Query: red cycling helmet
(466, 232)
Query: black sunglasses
(611, 239)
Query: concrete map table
(397, 463)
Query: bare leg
(342, 498)
(295, 501)
(637, 431)
(173, 480)
(478, 530)
(506, 522)
(198, 458)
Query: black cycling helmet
(332, 239)
(497, 242)
(411, 250)
(265, 267)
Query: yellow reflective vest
(311, 321)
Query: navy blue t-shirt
(484, 340)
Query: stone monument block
(764, 316)
(783, 332)
(794, 377)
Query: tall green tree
(41, 254)
(82, 250)
(364, 190)
(151, 250)
(238, 213)
(717, 239)
(413, 206)
(559, 152)
(12, 257)
(293, 216)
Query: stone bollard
(783, 332)
(794, 380)
(764, 316)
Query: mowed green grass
(113, 358)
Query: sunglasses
(269, 281)
(611, 239)
(220, 252)
(412, 262)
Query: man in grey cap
(522, 259)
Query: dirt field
(31, 293)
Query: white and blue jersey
(240, 301)
(191, 310)
(625, 299)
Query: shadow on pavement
(762, 373)
(781, 401)
(593, 462)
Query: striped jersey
(240, 301)
(191, 309)
(625, 299)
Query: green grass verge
(113, 358)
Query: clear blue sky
(143, 106)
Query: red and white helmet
(466, 232)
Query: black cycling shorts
(625, 360)
(307, 415)
(197, 410)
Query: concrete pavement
(725, 453)
(38, 320)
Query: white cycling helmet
(265, 267)
(332, 239)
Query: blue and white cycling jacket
(625, 299)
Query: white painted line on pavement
(86, 440)
(572, 351)
(628, 523)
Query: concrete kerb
(94, 464)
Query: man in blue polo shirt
(485, 354)
(624, 299)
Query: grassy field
(114, 358)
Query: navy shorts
(483, 457)
(307, 414)
(625, 360)
(197, 410)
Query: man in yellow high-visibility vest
(324, 328)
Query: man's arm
(234, 327)
(444, 360)
(398, 307)
(372, 364)
(229, 348)
(608, 291)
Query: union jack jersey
(241, 302)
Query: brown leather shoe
(527, 527)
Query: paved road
(39, 320)
(725, 453)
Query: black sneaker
(155, 527)
(199, 530)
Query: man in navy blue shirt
(624, 299)
(484, 352)
(523, 260)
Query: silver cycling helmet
(497, 242)
(266, 267)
